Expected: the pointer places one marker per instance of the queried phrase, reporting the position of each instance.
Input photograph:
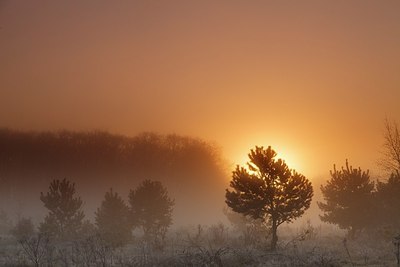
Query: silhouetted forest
(99, 160)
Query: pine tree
(152, 209)
(113, 220)
(269, 190)
(348, 199)
(64, 220)
(388, 199)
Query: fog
(97, 161)
(126, 129)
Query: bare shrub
(36, 248)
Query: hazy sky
(314, 79)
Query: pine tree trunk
(274, 234)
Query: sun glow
(284, 152)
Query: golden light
(290, 154)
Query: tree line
(65, 150)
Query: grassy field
(215, 245)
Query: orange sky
(314, 79)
